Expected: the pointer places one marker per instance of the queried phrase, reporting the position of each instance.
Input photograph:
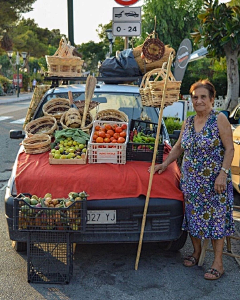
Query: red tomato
(112, 138)
(101, 134)
(102, 128)
(106, 140)
(114, 141)
(107, 135)
(124, 126)
(123, 134)
(118, 129)
(97, 127)
(99, 139)
(114, 126)
(121, 140)
(96, 133)
(111, 132)
(108, 127)
(116, 135)
(95, 137)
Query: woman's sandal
(191, 259)
(213, 272)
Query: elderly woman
(207, 142)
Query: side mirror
(16, 134)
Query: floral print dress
(207, 213)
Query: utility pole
(70, 22)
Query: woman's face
(201, 100)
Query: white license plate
(101, 216)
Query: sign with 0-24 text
(126, 2)
(126, 29)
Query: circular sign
(126, 2)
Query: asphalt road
(106, 271)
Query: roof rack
(108, 80)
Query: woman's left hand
(220, 183)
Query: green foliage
(175, 19)
(172, 124)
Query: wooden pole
(170, 59)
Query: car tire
(19, 246)
(175, 246)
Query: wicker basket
(37, 143)
(73, 118)
(81, 104)
(44, 124)
(152, 90)
(145, 66)
(63, 62)
(111, 115)
(88, 123)
(56, 107)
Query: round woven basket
(81, 104)
(44, 124)
(153, 49)
(37, 143)
(73, 118)
(111, 115)
(88, 123)
(56, 107)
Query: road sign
(15, 80)
(126, 2)
(126, 14)
(126, 29)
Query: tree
(219, 31)
(175, 19)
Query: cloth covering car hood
(101, 181)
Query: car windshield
(128, 103)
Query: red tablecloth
(101, 181)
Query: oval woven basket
(72, 118)
(111, 115)
(81, 104)
(56, 107)
(37, 143)
(46, 124)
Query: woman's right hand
(158, 168)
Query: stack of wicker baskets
(151, 90)
(63, 62)
(37, 143)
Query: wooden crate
(74, 161)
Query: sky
(88, 14)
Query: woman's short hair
(205, 83)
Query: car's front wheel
(175, 245)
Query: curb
(5, 99)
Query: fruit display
(48, 213)
(109, 133)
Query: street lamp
(17, 64)
(111, 39)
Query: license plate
(101, 216)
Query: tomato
(96, 133)
(106, 140)
(101, 134)
(108, 127)
(114, 126)
(97, 127)
(121, 140)
(123, 134)
(107, 135)
(116, 135)
(124, 126)
(102, 128)
(95, 137)
(99, 139)
(112, 138)
(111, 132)
(118, 129)
(114, 141)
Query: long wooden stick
(170, 59)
